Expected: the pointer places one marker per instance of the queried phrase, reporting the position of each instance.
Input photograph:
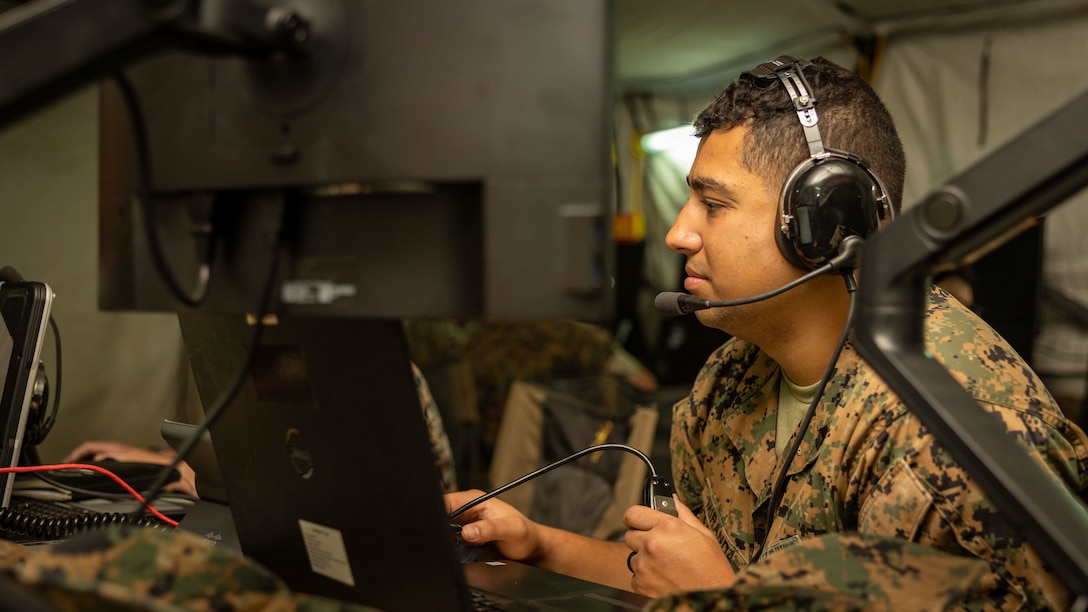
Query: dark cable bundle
(45, 521)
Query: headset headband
(789, 71)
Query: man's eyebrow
(703, 183)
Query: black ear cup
(827, 197)
(823, 201)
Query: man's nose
(681, 237)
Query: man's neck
(804, 350)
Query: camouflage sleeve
(917, 492)
(440, 442)
(914, 490)
(846, 572)
(156, 569)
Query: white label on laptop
(328, 555)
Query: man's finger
(642, 518)
(459, 498)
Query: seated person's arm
(670, 554)
(98, 450)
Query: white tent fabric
(957, 97)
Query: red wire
(95, 468)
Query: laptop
(325, 458)
(209, 516)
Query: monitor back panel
(325, 458)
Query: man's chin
(713, 317)
(729, 319)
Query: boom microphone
(675, 303)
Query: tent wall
(957, 90)
(122, 372)
(956, 96)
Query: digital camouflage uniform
(845, 571)
(866, 464)
(149, 569)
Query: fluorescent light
(678, 144)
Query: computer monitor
(24, 312)
(441, 159)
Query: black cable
(212, 414)
(46, 478)
(52, 418)
(780, 481)
(844, 262)
(822, 270)
(143, 193)
(985, 63)
(49, 480)
(526, 478)
(1071, 308)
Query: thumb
(685, 514)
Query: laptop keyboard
(483, 602)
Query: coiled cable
(43, 520)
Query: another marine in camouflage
(498, 352)
(501, 352)
(440, 442)
(151, 569)
(866, 464)
(845, 572)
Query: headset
(829, 196)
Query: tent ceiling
(689, 44)
(694, 45)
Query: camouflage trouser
(150, 569)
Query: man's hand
(98, 450)
(496, 521)
(673, 554)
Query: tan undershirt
(793, 401)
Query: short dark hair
(851, 118)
